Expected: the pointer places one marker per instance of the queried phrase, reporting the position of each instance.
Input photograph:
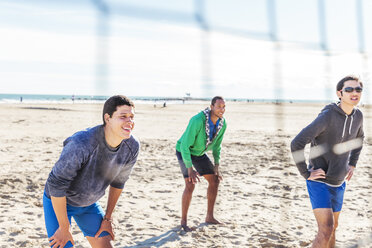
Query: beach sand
(262, 199)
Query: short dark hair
(112, 103)
(340, 84)
(214, 100)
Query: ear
(107, 118)
(339, 93)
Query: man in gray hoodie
(91, 161)
(336, 138)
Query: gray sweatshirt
(87, 166)
(327, 134)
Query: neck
(214, 118)
(111, 140)
(347, 108)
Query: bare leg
(186, 200)
(324, 217)
(332, 240)
(213, 183)
(103, 242)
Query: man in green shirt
(204, 133)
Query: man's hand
(316, 174)
(106, 225)
(350, 172)
(193, 175)
(61, 237)
(217, 172)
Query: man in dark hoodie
(91, 161)
(336, 138)
(204, 132)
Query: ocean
(69, 99)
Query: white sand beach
(262, 199)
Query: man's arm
(217, 152)
(217, 147)
(116, 187)
(106, 225)
(63, 172)
(307, 134)
(354, 155)
(188, 140)
(63, 234)
(66, 168)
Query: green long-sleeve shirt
(194, 140)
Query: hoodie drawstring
(351, 123)
(343, 132)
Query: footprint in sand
(24, 244)
(305, 243)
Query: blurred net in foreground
(278, 78)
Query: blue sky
(156, 48)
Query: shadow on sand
(162, 239)
(169, 236)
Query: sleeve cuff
(188, 164)
(117, 185)
(353, 163)
(306, 175)
(56, 193)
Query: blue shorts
(87, 218)
(202, 164)
(325, 196)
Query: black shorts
(202, 164)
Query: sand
(262, 199)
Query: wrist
(107, 218)
(64, 227)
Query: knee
(326, 230)
(214, 182)
(189, 188)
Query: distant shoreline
(33, 98)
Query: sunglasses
(351, 89)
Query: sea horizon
(60, 99)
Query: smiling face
(120, 124)
(350, 98)
(218, 108)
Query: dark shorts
(202, 164)
(325, 196)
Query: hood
(336, 107)
(206, 113)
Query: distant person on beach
(204, 132)
(336, 138)
(91, 161)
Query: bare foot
(186, 228)
(212, 220)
